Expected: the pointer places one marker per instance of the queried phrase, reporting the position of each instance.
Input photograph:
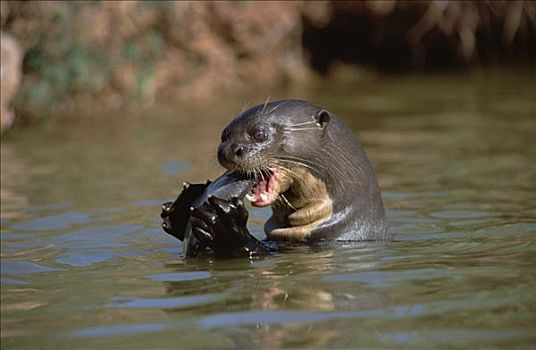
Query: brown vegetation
(423, 35)
(11, 75)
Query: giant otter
(307, 165)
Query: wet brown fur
(325, 184)
(309, 205)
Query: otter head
(275, 143)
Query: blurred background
(59, 56)
(108, 106)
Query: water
(86, 265)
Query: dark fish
(176, 215)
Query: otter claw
(205, 237)
(166, 207)
(193, 219)
(204, 215)
(222, 206)
(167, 227)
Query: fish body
(176, 215)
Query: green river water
(85, 264)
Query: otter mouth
(265, 191)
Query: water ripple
(53, 222)
(181, 276)
(104, 331)
(164, 303)
(15, 267)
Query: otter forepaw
(222, 225)
(233, 214)
(175, 214)
(203, 221)
(167, 211)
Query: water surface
(86, 265)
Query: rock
(10, 72)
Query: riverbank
(75, 56)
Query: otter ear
(322, 117)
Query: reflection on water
(86, 265)
(15, 174)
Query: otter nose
(231, 154)
(238, 151)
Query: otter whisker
(298, 163)
(300, 129)
(286, 201)
(304, 123)
(276, 107)
(280, 166)
(278, 202)
(292, 173)
(266, 172)
(265, 104)
(285, 166)
(307, 163)
(287, 171)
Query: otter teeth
(264, 196)
(250, 197)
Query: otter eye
(225, 135)
(259, 135)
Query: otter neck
(306, 206)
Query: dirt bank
(107, 53)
